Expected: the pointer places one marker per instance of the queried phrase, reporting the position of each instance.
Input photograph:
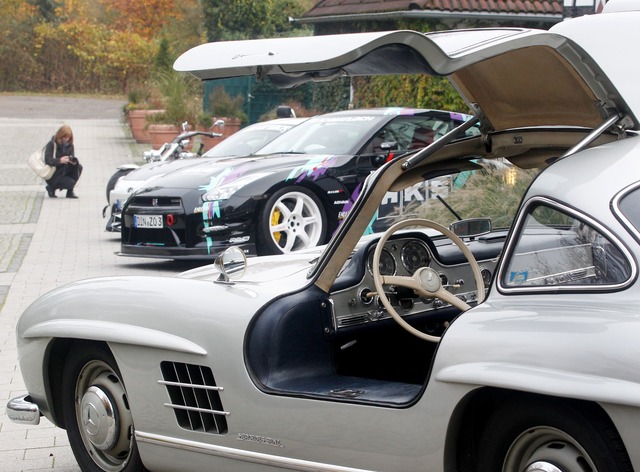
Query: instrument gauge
(486, 276)
(387, 264)
(415, 255)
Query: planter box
(161, 134)
(138, 124)
(231, 125)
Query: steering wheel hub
(429, 279)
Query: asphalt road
(64, 108)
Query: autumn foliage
(143, 17)
(124, 46)
(94, 46)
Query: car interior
(344, 346)
(339, 344)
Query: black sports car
(172, 157)
(291, 195)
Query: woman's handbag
(37, 164)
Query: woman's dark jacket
(54, 161)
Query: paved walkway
(45, 243)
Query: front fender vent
(194, 397)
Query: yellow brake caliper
(275, 220)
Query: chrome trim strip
(200, 410)
(242, 455)
(189, 385)
(22, 410)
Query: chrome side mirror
(231, 264)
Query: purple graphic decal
(313, 169)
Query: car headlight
(225, 190)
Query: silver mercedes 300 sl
(452, 341)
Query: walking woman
(59, 153)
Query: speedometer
(415, 255)
(387, 264)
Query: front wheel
(292, 219)
(96, 412)
(539, 436)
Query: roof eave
(441, 15)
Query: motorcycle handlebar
(191, 134)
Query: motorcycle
(174, 150)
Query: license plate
(147, 221)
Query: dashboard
(356, 303)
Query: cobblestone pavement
(45, 243)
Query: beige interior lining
(537, 87)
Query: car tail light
(171, 219)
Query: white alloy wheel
(294, 220)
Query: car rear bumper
(22, 410)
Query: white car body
(292, 368)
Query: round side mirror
(232, 264)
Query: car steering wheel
(425, 281)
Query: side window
(627, 207)
(557, 249)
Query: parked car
(241, 143)
(513, 350)
(291, 195)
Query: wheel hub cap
(541, 466)
(293, 223)
(547, 449)
(98, 418)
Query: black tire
(92, 387)
(111, 184)
(525, 435)
(292, 219)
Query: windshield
(493, 192)
(326, 135)
(246, 141)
